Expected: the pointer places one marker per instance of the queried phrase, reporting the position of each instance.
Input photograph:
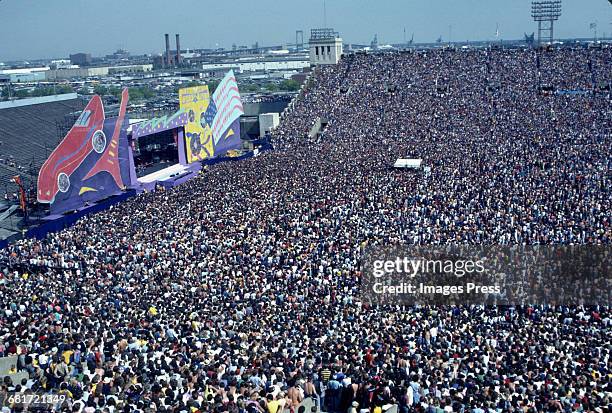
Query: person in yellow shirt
(66, 355)
(64, 391)
(273, 404)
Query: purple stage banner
(91, 163)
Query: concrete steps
(5, 365)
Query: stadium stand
(240, 290)
(28, 134)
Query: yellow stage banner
(198, 135)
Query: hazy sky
(32, 29)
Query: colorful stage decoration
(225, 111)
(91, 163)
(213, 125)
(156, 125)
(198, 139)
(94, 160)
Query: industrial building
(260, 65)
(83, 72)
(22, 77)
(170, 58)
(81, 59)
(39, 74)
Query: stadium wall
(61, 222)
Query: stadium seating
(29, 134)
(248, 280)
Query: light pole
(545, 12)
(593, 26)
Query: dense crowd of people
(239, 291)
(268, 97)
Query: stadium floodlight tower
(545, 12)
(325, 47)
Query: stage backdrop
(213, 126)
(198, 139)
(91, 163)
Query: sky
(36, 29)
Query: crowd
(239, 291)
(267, 98)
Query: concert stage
(94, 167)
(169, 177)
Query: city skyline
(38, 30)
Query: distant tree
(290, 85)
(271, 87)
(212, 86)
(64, 89)
(22, 93)
(41, 91)
(137, 93)
(192, 83)
(114, 91)
(250, 88)
(148, 93)
(37, 91)
(100, 90)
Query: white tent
(408, 163)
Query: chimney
(178, 50)
(168, 64)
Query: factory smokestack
(178, 49)
(168, 64)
